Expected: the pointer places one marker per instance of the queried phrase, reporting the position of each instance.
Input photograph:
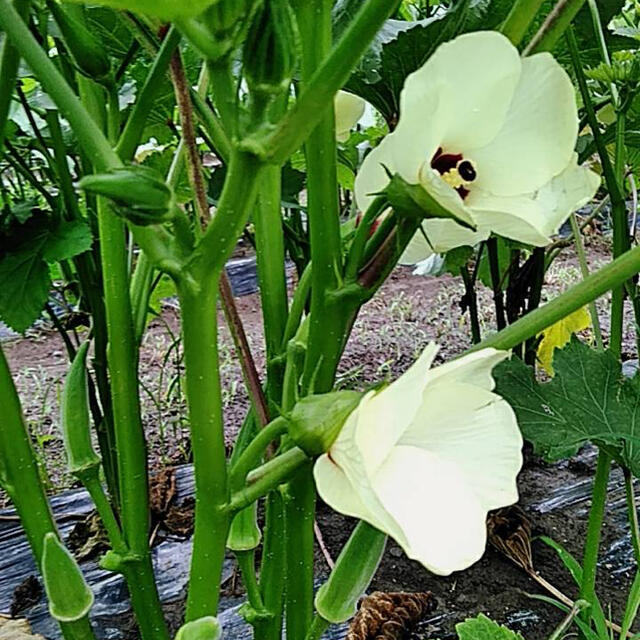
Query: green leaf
(164, 9)
(24, 272)
(25, 287)
(70, 597)
(588, 400)
(346, 176)
(67, 240)
(483, 628)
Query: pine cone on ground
(389, 616)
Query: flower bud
(70, 597)
(86, 50)
(244, 533)
(315, 421)
(140, 193)
(270, 52)
(207, 628)
(76, 430)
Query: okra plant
(487, 127)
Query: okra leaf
(24, 271)
(25, 286)
(66, 240)
(483, 628)
(588, 400)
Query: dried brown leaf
(509, 531)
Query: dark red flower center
(454, 165)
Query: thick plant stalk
(20, 478)
(326, 324)
(200, 336)
(267, 220)
(9, 63)
(553, 28)
(519, 19)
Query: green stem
(251, 456)
(9, 63)
(273, 571)
(298, 306)
(363, 231)
(632, 510)
(234, 207)
(20, 478)
(594, 528)
(552, 29)
(584, 268)
(591, 288)
(269, 237)
(246, 562)
(317, 628)
(520, 17)
(130, 443)
(91, 481)
(267, 477)
(332, 73)
(145, 100)
(300, 502)
(199, 328)
(224, 92)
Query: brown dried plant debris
(25, 595)
(389, 616)
(179, 519)
(162, 492)
(88, 539)
(509, 531)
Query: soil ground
(392, 329)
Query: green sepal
(252, 615)
(244, 533)
(76, 425)
(117, 562)
(207, 628)
(140, 194)
(70, 597)
(315, 421)
(271, 49)
(88, 53)
(412, 201)
(337, 599)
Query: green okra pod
(70, 598)
(87, 52)
(76, 426)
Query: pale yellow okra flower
(426, 458)
(490, 136)
(348, 109)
